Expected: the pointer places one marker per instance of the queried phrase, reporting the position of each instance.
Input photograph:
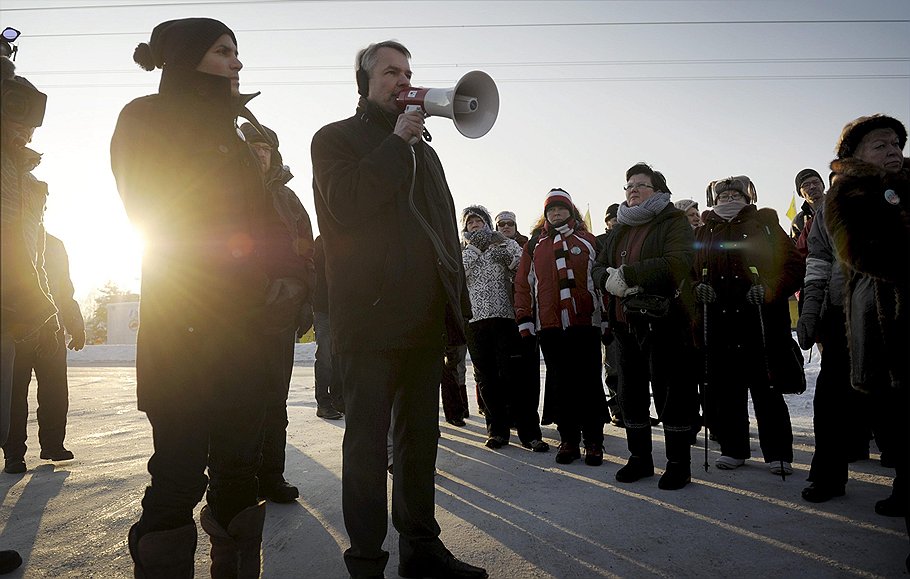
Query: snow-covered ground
(515, 512)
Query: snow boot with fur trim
(236, 552)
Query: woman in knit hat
(556, 301)
(748, 268)
(690, 208)
(214, 244)
(650, 251)
(866, 212)
(490, 260)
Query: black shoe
(56, 454)
(567, 453)
(677, 475)
(445, 567)
(594, 454)
(280, 492)
(496, 442)
(14, 466)
(457, 422)
(820, 493)
(9, 562)
(328, 413)
(637, 468)
(886, 460)
(536, 445)
(617, 421)
(893, 506)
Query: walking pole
(704, 386)
(764, 345)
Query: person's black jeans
(280, 364)
(328, 386)
(378, 386)
(221, 432)
(53, 398)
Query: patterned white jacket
(489, 281)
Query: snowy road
(517, 513)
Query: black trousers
(662, 359)
(574, 371)
(731, 379)
(221, 431)
(380, 386)
(452, 386)
(839, 411)
(495, 346)
(53, 398)
(279, 365)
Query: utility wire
(708, 61)
(539, 80)
(512, 25)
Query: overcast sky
(700, 90)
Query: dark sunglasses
(506, 224)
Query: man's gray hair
(367, 57)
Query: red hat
(558, 197)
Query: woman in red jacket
(555, 300)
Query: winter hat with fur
(181, 43)
(557, 197)
(855, 130)
(479, 211)
(23, 102)
(739, 183)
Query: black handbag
(645, 307)
(785, 368)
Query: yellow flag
(588, 218)
(791, 212)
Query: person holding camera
(28, 319)
(396, 299)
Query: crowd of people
(671, 308)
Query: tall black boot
(640, 464)
(236, 552)
(679, 469)
(163, 554)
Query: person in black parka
(217, 258)
(747, 269)
(396, 298)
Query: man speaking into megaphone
(396, 293)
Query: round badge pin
(575, 250)
(892, 197)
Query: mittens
(756, 295)
(480, 238)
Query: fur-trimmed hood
(478, 210)
(866, 212)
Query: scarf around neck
(729, 210)
(566, 276)
(645, 211)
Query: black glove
(480, 238)
(756, 295)
(77, 341)
(805, 330)
(499, 254)
(705, 294)
(47, 340)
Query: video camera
(20, 101)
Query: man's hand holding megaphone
(409, 126)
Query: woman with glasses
(747, 269)
(650, 253)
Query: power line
(788, 78)
(512, 25)
(152, 5)
(684, 62)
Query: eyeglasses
(506, 224)
(734, 196)
(810, 183)
(630, 186)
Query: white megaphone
(473, 103)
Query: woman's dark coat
(213, 240)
